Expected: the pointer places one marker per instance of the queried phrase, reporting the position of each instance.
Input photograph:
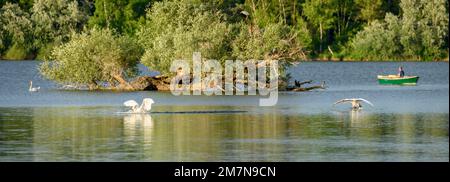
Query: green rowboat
(396, 80)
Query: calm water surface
(407, 123)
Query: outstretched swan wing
(131, 103)
(342, 101)
(366, 101)
(147, 104)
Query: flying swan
(145, 107)
(356, 102)
(31, 89)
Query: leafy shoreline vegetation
(102, 41)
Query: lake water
(408, 123)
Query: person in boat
(401, 72)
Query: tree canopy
(16, 31)
(322, 28)
(54, 21)
(122, 15)
(175, 30)
(418, 33)
(93, 58)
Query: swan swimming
(31, 89)
(145, 107)
(356, 102)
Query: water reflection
(96, 134)
(359, 119)
(137, 121)
(72, 134)
(52, 125)
(138, 125)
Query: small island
(99, 44)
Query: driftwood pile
(157, 83)
(162, 83)
(298, 87)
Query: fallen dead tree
(298, 87)
(162, 83)
(147, 83)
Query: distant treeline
(235, 29)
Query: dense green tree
(92, 58)
(409, 33)
(424, 28)
(379, 40)
(346, 21)
(391, 6)
(54, 21)
(24, 4)
(264, 12)
(274, 41)
(1, 40)
(320, 13)
(175, 30)
(322, 28)
(370, 9)
(419, 33)
(122, 15)
(16, 29)
(434, 29)
(273, 15)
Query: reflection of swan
(354, 116)
(133, 120)
(137, 126)
(356, 103)
(135, 108)
(31, 89)
(361, 120)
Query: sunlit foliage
(16, 31)
(92, 58)
(322, 28)
(175, 30)
(54, 21)
(419, 33)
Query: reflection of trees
(388, 134)
(15, 133)
(72, 134)
(196, 137)
(83, 134)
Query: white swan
(135, 108)
(356, 102)
(31, 89)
